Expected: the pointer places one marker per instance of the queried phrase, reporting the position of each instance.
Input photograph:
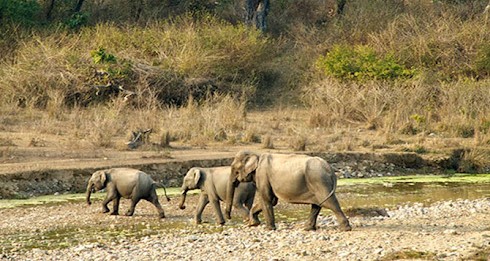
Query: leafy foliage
(101, 56)
(77, 20)
(19, 11)
(361, 63)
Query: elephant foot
(114, 213)
(271, 228)
(310, 228)
(253, 223)
(221, 223)
(345, 228)
(105, 210)
(161, 215)
(198, 221)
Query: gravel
(446, 230)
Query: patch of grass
(474, 160)
(456, 178)
(299, 143)
(62, 198)
(480, 255)
(419, 149)
(267, 142)
(5, 142)
(251, 136)
(361, 63)
(409, 254)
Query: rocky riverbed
(445, 230)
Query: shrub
(482, 63)
(19, 11)
(101, 56)
(361, 63)
(167, 60)
(77, 20)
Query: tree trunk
(78, 7)
(50, 10)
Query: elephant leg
(115, 205)
(267, 200)
(254, 214)
(217, 211)
(315, 210)
(239, 205)
(108, 198)
(333, 204)
(154, 200)
(249, 203)
(203, 201)
(134, 201)
(243, 210)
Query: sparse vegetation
(409, 254)
(192, 72)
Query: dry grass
(267, 142)
(194, 79)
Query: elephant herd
(254, 183)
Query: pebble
(417, 223)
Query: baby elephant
(124, 182)
(213, 184)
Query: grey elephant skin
(297, 179)
(127, 183)
(213, 184)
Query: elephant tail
(334, 187)
(159, 185)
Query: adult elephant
(297, 179)
(127, 183)
(213, 184)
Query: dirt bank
(31, 178)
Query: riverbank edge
(25, 184)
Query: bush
(361, 63)
(167, 60)
(19, 11)
(482, 63)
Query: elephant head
(96, 182)
(191, 181)
(242, 170)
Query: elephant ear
(251, 163)
(102, 177)
(197, 177)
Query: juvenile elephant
(127, 183)
(297, 179)
(213, 184)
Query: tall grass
(161, 59)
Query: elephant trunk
(182, 201)
(230, 192)
(89, 192)
(165, 191)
